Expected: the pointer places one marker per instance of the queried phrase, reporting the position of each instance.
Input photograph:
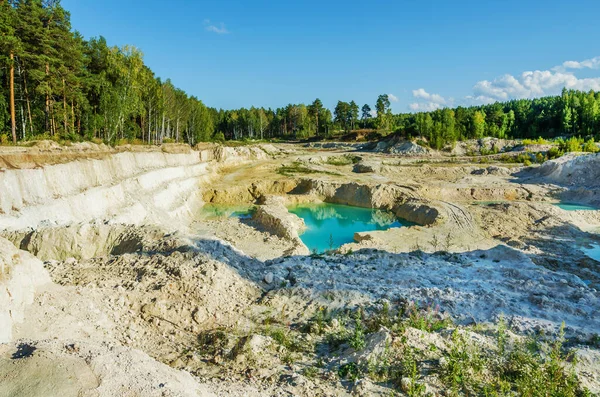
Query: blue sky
(427, 54)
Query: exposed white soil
(132, 293)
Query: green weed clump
(287, 339)
(504, 365)
(527, 368)
(297, 168)
(4, 139)
(346, 159)
(539, 141)
(487, 152)
(479, 360)
(577, 144)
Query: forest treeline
(56, 84)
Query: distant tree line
(571, 113)
(55, 84)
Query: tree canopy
(67, 87)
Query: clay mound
(70, 368)
(88, 240)
(572, 170)
(475, 146)
(397, 145)
(187, 290)
(176, 148)
(20, 275)
(364, 167)
(492, 170)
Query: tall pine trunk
(65, 122)
(13, 119)
(149, 120)
(52, 120)
(162, 130)
(28, 102)
(48, 121)
(72, 116)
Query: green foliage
(425, 319)
(554, 153)
(73, 89)
(500, 366)
(590, 146)
(384, 113)
(219, 137)
(310, 372)
(527, 368)
(286, 339)
(524, 158)
(539, 141)
(486, 152)
(350, 371)
(357, 339)
(297, 168)
(212, 342)
(346, 159)
(463, 361)
(577, 144)
(411, 370)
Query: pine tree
(315, 110)
(9, 44)
(383, 110)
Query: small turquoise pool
(576, 207)
(593, 252)
(330, 226)
(219, 211)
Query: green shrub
(350, 371)
(422, 142)
(286, 339)
(539, 158)
(297, 168)
(528, 368)
(357, 339)
(219, 137)
(554, 153)
(539, 141)
(346, 159)
(524, 158)
(590, 146)
(486, 152)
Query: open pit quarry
(114, 282)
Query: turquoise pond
(217, 211)
(329, 226)
(593, 252)
(576, 207)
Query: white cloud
(434, 98)
(392, 98)
(210, 27)
(478, 100)
(428, 101)
(424, 106)
(593, 63)
(532, 84)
